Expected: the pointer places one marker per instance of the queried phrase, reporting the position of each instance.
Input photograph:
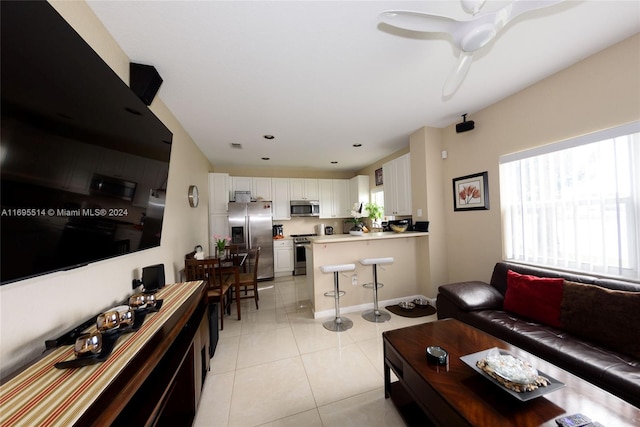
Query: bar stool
(375, 315)
(338, 324)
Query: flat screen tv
(83, 161)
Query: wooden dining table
(232, 265)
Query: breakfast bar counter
(336, 238)
(400, 278)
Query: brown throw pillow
(603, 316)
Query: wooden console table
(153, 377)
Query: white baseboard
(369, 306)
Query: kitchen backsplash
(307, 225)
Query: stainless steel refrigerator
(250, 226)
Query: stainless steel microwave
(305, 208)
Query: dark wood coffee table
(457, 395)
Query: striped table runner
(43, 395)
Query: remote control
(575, 420)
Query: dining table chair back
(217, 290)
(248, 280)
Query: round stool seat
(371, 261)
(337, 268)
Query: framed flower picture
(471, 192)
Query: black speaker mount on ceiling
(465, 125)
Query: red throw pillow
(536, 298)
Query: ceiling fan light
(478, 38)
(472, 6)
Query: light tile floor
(280, 367)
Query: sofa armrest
(471, 296)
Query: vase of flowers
(221, 243)
(356, 215)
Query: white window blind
(576, 204)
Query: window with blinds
(575, 204)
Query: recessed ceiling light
(357, 145)
(334, 163)
(266, 158)
(268, 137)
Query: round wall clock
(193, 196)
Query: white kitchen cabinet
(303, 189)
(359, 189)
(341, 200)
(280, 199)
(218, 193)
(397, 186)
(325, 188)
(259, 187)
(283, 256)
(239, 183)
(334, 198)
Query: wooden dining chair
(248, 282)
(217, 290)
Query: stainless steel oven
(300, 243)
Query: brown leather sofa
(593, 339)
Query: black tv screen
(83, 161)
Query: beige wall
(600, 92)
(426, 196)
(41, 308)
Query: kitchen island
(400, 279)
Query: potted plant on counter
(374, 213)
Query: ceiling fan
(469, 35)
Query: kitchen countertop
(336, 238)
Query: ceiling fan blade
(458, 74)
(417, 21)
(518, 7)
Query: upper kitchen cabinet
(260, 188)
(218, 193)
(397, 186)
(280, 198)
(334, 198)
(359, 189)
(303, 189)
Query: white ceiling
(323, 75)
